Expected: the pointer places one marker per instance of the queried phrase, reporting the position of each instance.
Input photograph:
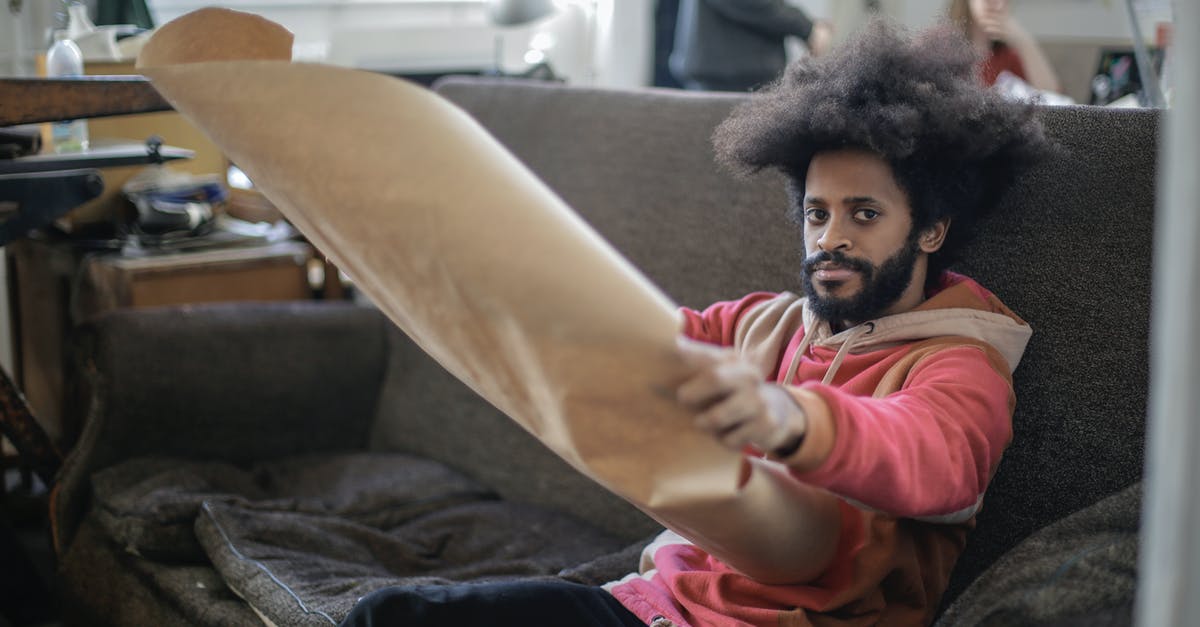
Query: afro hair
(954, 146)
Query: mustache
(835, 258)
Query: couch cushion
(101, 584)
(149, 505)
(1081, 570)
(301, 539)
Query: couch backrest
(638, 167)
(1070, 251)
(170, 382)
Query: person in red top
(1005, 44)
(884, 389)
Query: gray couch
(273, 462)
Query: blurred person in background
(738, 45)
(666, 12)
(1003, 42)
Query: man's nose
(834, 237)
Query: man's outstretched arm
(952, 420)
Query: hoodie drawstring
(794, 365)
(852, 337)
(855, 333)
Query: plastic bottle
(65, 60)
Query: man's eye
(866, 215)
(815, 215)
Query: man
(738, 45)
(886, 389)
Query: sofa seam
(239, 555)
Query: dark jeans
(523, 603)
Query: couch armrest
(238, 382)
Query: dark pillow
(1081, 570)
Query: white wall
(1046, 19)
(24, 34)
(625, 42)
(1094, 19)
(601, 42)
(604, 42)
(1051, 19)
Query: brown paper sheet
(487, 270)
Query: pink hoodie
(922, 406)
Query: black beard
(882, 285)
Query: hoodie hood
(957, 306)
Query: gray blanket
(302, 539)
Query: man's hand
(1002, 26)
(731, 401)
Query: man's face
(863, 259)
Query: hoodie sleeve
(926, 451)
(717, 323)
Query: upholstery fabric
(111, 587)
(299, 568)
(1081, 570)
(302, 538)
(173, 382)
(1069, 251)
(150, 505)
(425, 411)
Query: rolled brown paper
(216, 34)
(494, 276)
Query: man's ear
(932, 238)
